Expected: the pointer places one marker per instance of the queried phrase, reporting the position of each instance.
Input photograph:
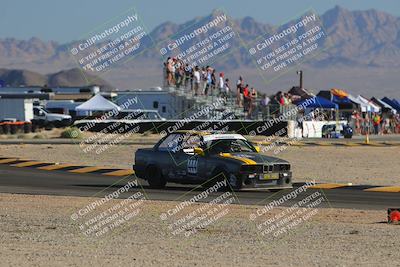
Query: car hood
(252, 158)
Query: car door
(195, 164)
(169, 155)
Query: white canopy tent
(97, 103)
(364, 107)
(367, 105)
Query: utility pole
(300, 72)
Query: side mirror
(199, 151)
(258, 149)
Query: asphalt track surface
(39, 182)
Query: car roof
(212, 137)
(202, 133)
(208, 136)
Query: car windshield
(152, 115)
(43, 109)
(229, 146)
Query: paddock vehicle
(189, 157)
(344, 130)
(45, 118)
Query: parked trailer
(16, 109)
(16, 115)
(14, 127)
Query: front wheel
(232, 182)
(154, 177)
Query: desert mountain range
(363, 57)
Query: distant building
(170, 103)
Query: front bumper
(284, 181)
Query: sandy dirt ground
(39, 231)
(357, 165)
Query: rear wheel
(154, 177)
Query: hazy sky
(64, 21)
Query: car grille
(278, 167)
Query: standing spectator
(386, 126)
(252, 104)
(367, 124)
(239, 91)
(188, 76)
(227, 88)
(197, 80)
(299, 121)
(357, 120)
(179, 73)
(396, 123)
(170, 71)
(279, 98)
(213, 82)
(204, 73)
(207, 81)
(221, 85)
(173, 70)
(246, 99)
(376, 121)
(265, 101)
(165, 73)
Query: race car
(189, 157)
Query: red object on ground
(394, 215)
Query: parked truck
(47, 119)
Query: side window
(171, 143)
(191, 142)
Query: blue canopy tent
(343, 102)
(385, 107)
(391, 103)
(319, 102)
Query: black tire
(27, 127)
(6, 128)
(154, 177)
(13, 129)
(20, 128)
(220, 175)
(49, 126)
